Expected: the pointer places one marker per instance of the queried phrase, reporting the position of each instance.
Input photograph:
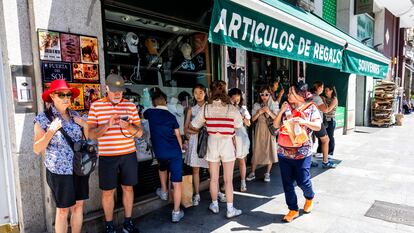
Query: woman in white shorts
(242, 137)
(221, 119)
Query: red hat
(59, 85)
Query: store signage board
(340, 117)
(56, 70)
(237, 26)
(364, 6)
(361, 65)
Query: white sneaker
(330, 156)
(233, 213)
(163, 195)
(318, 155)
(267, 177)
(243, 187)
(176, 217)
(214, 208)
(221, 197)
(196, 200)
(251, 176)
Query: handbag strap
(69, 140)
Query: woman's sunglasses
(264, 94)
(63, 95)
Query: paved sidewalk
(375, 164)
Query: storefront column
(350, 105)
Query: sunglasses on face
(264, 94)
(63, 95)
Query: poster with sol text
(56, 70)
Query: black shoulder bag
(85, 152)
(202, 139)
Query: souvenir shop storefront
(174, 46)
(174, 49)
(163, 47)
(282, 42)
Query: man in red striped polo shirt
(114, 122)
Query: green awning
(362, 65)
(242, 27)
(279, 29)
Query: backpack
(287, 137)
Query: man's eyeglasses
(63, 95)
(264, 94)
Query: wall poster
(49, 45)
(74, 58)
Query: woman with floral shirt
(68, 190)
(295, 162)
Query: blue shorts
(173, 165)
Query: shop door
(8, 213)
(360, 101)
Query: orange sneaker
(291, 216)
(307, 208)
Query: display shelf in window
(119, 53)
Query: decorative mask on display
(152, 46)
(186, 50)
(132, 41)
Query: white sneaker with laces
(221, 197)
(233, 213)
(196, 200)
(267, 177)
(251, 176)
(176, 217)
(214, 208)
(163, 195)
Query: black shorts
(126, 166)
(67, 189)
(322, 132)
(174, 165)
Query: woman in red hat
(69, 190)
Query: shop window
(149, 53)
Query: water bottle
(146, 99)
(288, 114)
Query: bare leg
(177, 195)
(242, 168)
(163, 180)
(196, 179)
(128, 200)
(325, 147)
(269, 168)
(76, 218)
(108, 204)
(228, 168)
(253, 168)
(214, 179)
(61, 220)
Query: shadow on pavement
(200, 219)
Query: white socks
(229, 206)
(215, 203)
